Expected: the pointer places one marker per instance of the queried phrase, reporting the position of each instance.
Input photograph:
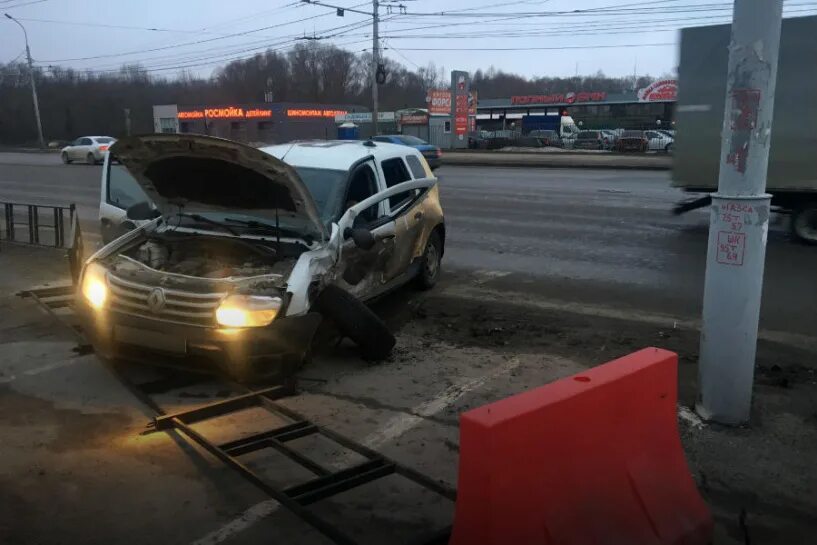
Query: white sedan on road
(90, 149)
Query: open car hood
(201, 174)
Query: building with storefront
(647, 108)
(267, 123)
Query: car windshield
(103, 140)
(325, 185)
(411, 140)
(632, 134)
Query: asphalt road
(593, 237)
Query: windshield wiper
(205, 219)
(253, 224)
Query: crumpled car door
(366, 273)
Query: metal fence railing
(38, 224)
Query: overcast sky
(615, 36)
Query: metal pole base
(738, 231)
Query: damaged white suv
(239, 253)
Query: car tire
(65, 159)
(356, 321)
(668, 148)
(804, 223)
(90, 159)
(431, 262)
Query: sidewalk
(557, 160)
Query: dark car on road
(589, 140)
(631, 141)
(430, 152)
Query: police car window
(417, 169)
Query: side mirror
(142, 211)
(364, 239)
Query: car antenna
(370, 143)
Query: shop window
(184, 126)
(447, 127)
(167, 125)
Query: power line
(25, 4)
(123, 27)
(174, 46)
(601, 46)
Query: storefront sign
(229, 112)
(292, 112)
(662, 90)
(459, 84)
(414, 119)
(560, 98)
(439, 102)
(363, 117)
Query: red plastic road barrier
(592, 459)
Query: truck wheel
(356, 321)
(804, 223)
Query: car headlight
(95, 285)
(247, 311)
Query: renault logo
(156, 300)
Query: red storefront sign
(439, 102)
(662, 90)
(414, 120)
(227, 112)
(560, 98)
(461, 115)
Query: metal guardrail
(39, 219)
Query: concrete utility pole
(375, 62)
(33, 84)
(739, 217)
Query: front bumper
(119, 335)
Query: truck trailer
(792, 178)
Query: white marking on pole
(392, 429)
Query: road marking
(392, 429)
(244, 521)
(39, 370)
(485, 295)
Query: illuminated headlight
(94, 285)
(247, 311)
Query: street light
(33, 85)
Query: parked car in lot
(90, 149)
(589, 140)
(237, 253)
(610, 138)
(631, 141)
(547, 137)
(659, 141)
(431, 152)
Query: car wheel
(89, 159)
(668, 148)
(431, 264)
(65, 159)
(804, 223)
(356, 321)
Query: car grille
(182, 307)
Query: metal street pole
(33, 84)
(739, 219)
(375, 62)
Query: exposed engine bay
(215, 257)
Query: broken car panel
(232, 258)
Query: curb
(532, 164)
